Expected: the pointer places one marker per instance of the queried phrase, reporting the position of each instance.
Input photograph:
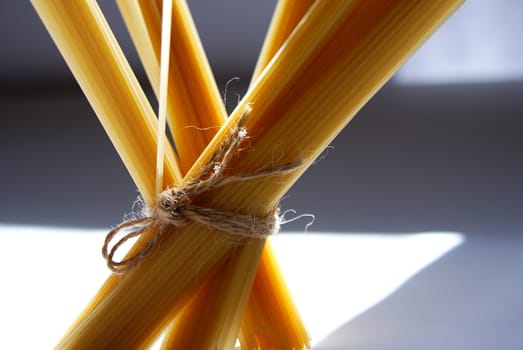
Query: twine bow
(174, 207)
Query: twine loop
(175, 208)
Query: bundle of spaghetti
(180, 13)
(339, 55)
(189, 72)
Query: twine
(174, 207)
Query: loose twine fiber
(174, 207)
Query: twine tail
(134, 228)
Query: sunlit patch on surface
(49, 275)
(335, 277)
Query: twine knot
(174, 207)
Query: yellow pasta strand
(109, 84)
(272, 320)
(286, 17)
(104, 75)
(285, 329)
(195, 108)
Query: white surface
(49, 274)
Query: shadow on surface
(468, 299)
